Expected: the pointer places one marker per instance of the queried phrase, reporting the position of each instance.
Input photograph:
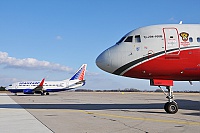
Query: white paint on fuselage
(153, 40)
(33, 84)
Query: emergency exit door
(171, 39)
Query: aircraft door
(171, 41)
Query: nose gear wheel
(171, 106)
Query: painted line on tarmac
(142, 119)
(129, 117)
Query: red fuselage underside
(184, 66)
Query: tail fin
(80, 73)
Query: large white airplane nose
(103, 61)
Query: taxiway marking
(130, 117)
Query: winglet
(42, 82)
(80, 73)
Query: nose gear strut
(171, 106)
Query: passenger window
(137, 39)
(198, 39)
(171, 37)
(190, 39)
(129, 39)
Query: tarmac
(98, 112)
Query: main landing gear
(171, 106)
(43, 93)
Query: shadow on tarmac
(183, 104)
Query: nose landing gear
(171, 106)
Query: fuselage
(41, 87)
(170, 52)
(48, 86)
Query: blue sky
(53, 38)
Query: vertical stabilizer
(80, 73)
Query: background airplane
(42, 87)
(160, 53)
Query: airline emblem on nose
(184, 36)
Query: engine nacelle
(28, 91)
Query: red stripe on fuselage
(185, 66)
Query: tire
(171, 107)
(47, 93)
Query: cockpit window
(129, 39)
(122, 39)
(137, 39)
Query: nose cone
(103, 61)
(7, 88)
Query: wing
(40, 86)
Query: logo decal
(184, 41)
(184, 36)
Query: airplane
(42, 87)
(160, 53)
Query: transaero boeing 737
(42, 87)
(160, 53)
